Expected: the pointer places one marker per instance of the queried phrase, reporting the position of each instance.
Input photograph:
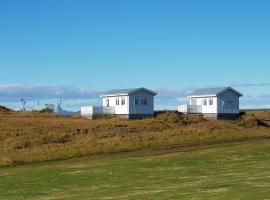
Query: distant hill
(256, 109)
(4, 109)
(69, 113)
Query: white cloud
(170, 98)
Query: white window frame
(211, 101)
(123, 101)
(117, 101)
(193, 101)
(204, 101)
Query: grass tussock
(32, 137)
(175, 117)
(252, 120)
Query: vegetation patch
(251, 121)
(27, 137)
(222, 171)
(175, 117)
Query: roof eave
(230, 88)
(128, 93)
(114, 95)
(144, 89)
(205, 95)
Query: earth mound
(4, 109)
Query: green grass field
(232, 171)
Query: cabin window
(107, 102)
(211, 101)
(117, 102)
(193, 101)
(204, 102)
(229, 102)
(136, 101)
(144, 101)
(123, 101)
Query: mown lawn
(232, 171)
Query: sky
(76, 49)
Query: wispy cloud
(75, 97)
(251, 85)
(15, 92)
(170, 98)
(250, 101)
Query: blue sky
(76, 49)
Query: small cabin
(133, 103)
(222, 102)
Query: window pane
(205, 102)
(144, 101)
(229, 102)
(193, 101)
(211, 101)
(136, 102)
(123, 101)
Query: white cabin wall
(141, 109)
(119, 109)
(208, 109)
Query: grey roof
(126, 91)
(212, 91)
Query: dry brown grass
(32, 137)
(254, 119)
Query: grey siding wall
(223, 107)
(141, 109)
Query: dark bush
(49, 108)
(242, 113)
(4, 109)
